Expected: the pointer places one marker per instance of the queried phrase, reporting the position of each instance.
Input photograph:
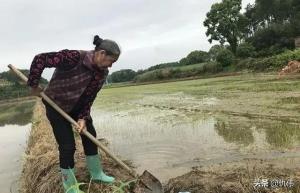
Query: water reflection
(15, 126)
(169, 142)
(161, 146)
(12, 145)
(278, 134)
(282, 134)
(232, 132)
(18, 113)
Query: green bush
(163, 65)
(269, 63)
(225, 57)
(183, 61)
(122, 76)
(271, 51)
(176, 73)
(245, 50)
(273, 39)
(213, 52)
(211, 67)
(246, 63)
(196, 56)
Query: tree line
(266, 28)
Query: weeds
(122, 186)
(76, 185)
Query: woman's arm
(62, 59)
(90, 94)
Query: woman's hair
(109, 46)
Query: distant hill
(12, 87)
(9, 77)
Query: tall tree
(273, 24)
(295, 18)
(225, 23)
(273, 11)
(253, 21)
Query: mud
(247, 176)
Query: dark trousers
(64, 136)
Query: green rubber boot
(69, 181)
(96, 170)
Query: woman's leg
(89, 147)
(92, 158)
(64, 136)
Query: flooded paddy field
(15, 124)
(172, 128)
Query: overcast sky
(149, 32)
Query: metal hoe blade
(152, 183)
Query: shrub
(122, 75)
(245, 50)
(271, 51)
(163, 65)
(272, 39)
(197, 56)
(225, 57)
(270, 63)
(183, 61)
(245, 63)
(213, 52)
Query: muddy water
(15, 126)
(168, 138)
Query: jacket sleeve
(62, 59)
(91, 93)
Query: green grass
(289, 100)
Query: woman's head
(106, 52)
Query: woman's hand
(36, 91)
(82, 125)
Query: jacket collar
(88, 60)
(89, 63)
